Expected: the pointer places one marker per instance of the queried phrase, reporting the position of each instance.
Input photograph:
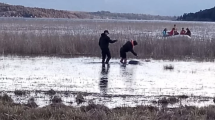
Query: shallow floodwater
(127, 85)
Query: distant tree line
(107, 14)
(202, 15)
(28, 12)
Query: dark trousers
(106, 52)
(123, 54)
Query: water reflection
(104, 79)
(128, 76)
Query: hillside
(107, 14)
(202, 15)
(7, 10)
(27, 12)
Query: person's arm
(111, 41)
(132, 51)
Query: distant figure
(174, 26)
(165, 32)
(176, 32)
(171, 32)
(183, 32)
(128, 46)
(188, 32)
(104, 45)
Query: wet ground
(112, 85)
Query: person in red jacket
(127, 47)
(171, 32)
(183, 32)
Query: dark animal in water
(133, 62)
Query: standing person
(174, 26)
(104, 45)
(176, 32)
(128, 46)
(188, 32)
(183, 32)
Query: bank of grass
(87, 45)
(58, 111)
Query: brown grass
(74, 38)
(20, 92)
(50, 92)
(56, 99)
(69, 45)
(58, 111)
(170, 100)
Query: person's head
(174, 25)
(106, 32)
(165, 29)
(182, 28)
(173, 28)
(135, 43)
(187, 29)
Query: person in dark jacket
(104, 45)
(183, 32)
(188, 32)
(127, 47)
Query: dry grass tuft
(6, 98)
(56, 99)
(169, 100)
(50, 92)
(20, 92)
(79, 98)
(183, 96)
(31, 103)
(168, 67)
(58, 111)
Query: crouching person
(127, 47)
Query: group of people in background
(175, 32)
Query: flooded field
(148, 83)
(112, 85)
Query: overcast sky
(155, 7)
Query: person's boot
(125, 61)
(121, 61)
